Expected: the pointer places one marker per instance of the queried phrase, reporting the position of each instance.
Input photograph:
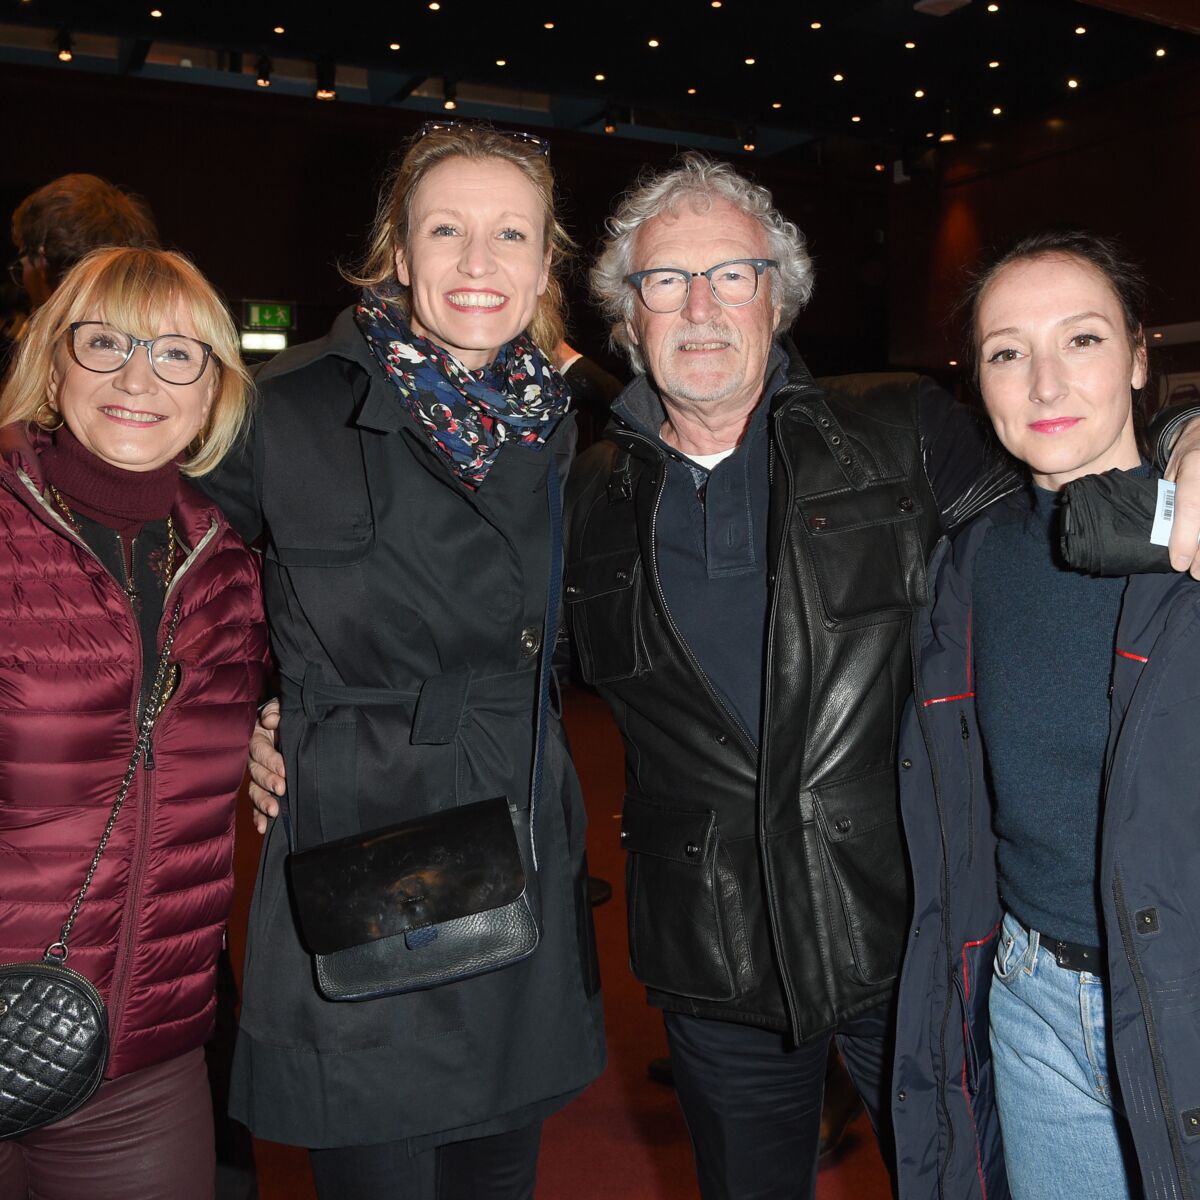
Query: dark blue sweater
(1043, 647)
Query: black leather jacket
(768, 885)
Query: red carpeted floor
(624, 1138)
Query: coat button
(902, 1095)
(531, 640)
(843, 826)
(906, 763)
(1191, 1122)
(905, 504)
(1147, 920)
(692, 850)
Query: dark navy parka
(947, 1129)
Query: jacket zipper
(661, 601)
(966, 741)
(918, 709)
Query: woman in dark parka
(398, 472)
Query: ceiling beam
(1175, 14)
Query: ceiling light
(1156, 335)
(994, 63)
(691, 91)
(279, 29)
(910, 45)
(610, 121)
(450, 94)
(929, 134)
(156, 12)
(919, 93)
(996, 110)
(1072, 83)
(952, 362)
(716, 3)
(750, 62)
(262, 71)
(993, 8)
(1160, 53)
(748, 147)
(65, 53)
(393, 45)
(1081, 29)
(947, 137)
(856, 119)
(777, 104)
(815, 25)
(599, 77)
(547, 24)
(838, 77)
(879, 166)
(653, 43)
(326, 79)
(434, 6)
(502, 62)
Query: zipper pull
(962, 722)
(149, 756)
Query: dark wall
(1124, 163)
(267, 192)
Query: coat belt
(438, 702)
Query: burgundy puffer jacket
(152, 924)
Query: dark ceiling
(789, 95)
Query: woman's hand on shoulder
(1184, 469)
(266, 766)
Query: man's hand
(266, 767)
(1184, 469)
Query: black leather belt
(1074, 957)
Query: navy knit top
(1043, 645)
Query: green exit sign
(269, 314)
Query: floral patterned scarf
(468, 415)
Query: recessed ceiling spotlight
(434, 6)
(1160, 53)
(156, 12)
(1072, 83)
(777, 104)
(716, 3)
(929, 134)
(393, 45)
(547, 24)
(947, 137)
(1156, 335)
(599, 77)
(856, 119)
(279, 29)
(953, 362)
(879, 167)
(919, 93)
(993, 8)
(996, 110)
(262, 71)
(502, 62)
(691, 91)
(910, 45)
(815, 25)
(838, 77)
(750, 62)
(1081, 29)
(653, 43)
(994, 63)
(65, 51)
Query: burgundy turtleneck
(119, 499)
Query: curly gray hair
(701, 180)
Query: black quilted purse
(53, 1027)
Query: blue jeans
(1064, 1130)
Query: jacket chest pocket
(604, 595)
(865, 549)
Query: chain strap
(57, 951)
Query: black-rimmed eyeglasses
(540, 144)
(174, 357)
(733, 283)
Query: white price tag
(1164, 514)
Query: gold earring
(40, 421)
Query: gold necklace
(130, 589)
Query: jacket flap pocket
(333, 547)
(846, 509)
(677, 834)
(601, 575)
(856, 806)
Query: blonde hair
(389, 232)
(135, 290)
